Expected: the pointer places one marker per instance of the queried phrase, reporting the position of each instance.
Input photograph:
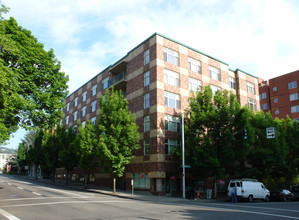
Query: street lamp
(183, 157)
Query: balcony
(119, 81)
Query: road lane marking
(63, 191)
(35, 193)
(237, 210)
(9, 184)
(258, 207)
(42, 198)
(62, 202)
(20, 187)
(8, 215)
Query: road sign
(270, 132)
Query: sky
(260, 37)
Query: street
(26, 199)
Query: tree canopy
(226, 141)
(32, 87)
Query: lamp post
(183, 157)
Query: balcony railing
(117, 79)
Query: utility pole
(183, 157)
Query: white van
(248, 189)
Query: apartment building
(157, 77)
(279, 95)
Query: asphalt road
(22, 199)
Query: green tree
(51, 149)
(35, 152)
(218, 135)
(266, 154)
(22, 157)
(32, 87)
(86, 145)
(67, 154)
(117, 132)
(292, 156)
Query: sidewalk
(137, 195)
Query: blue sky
(257, 36)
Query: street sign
(270, 132)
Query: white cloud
(258, 36)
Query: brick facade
(278, 98)
(158, 166)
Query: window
(105, 82)
(172, 100)
(232, 82)
(214, 89)
(171, 78)
(84, 96)
(146, 144)
(274, 89)
(141, 181)
(293, 85)
(194, 65)
(147, 100)
(276, 111)
(171, 56)
(250, 88)
(194, 85)
(75, 114)
(67, 120)
(265, 106)
(146, 78)
(94, 106)
(76, 101)
(275, 100)
(171, 145)
(251, 104)
(93, 120)
(83, 124)
(67, 107)
(94, 90)
(264, 95)
(146, 57)
(294, 97)
(295, 109)
(296, 119)
(83, 111)
(214, 73)
(146, 123)
(172, 123)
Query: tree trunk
(114, 185)
(35, 173)
(54, 175)
(85, 181)
(67, 177)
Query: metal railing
(118, 78)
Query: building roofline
(89, 81)
(191, 48)
(246, 73)
(147, 40)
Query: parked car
(295, 191)
(282, 195)
(249, 189)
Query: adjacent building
(157, 77)
(279, 96)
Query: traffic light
(245, 133)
